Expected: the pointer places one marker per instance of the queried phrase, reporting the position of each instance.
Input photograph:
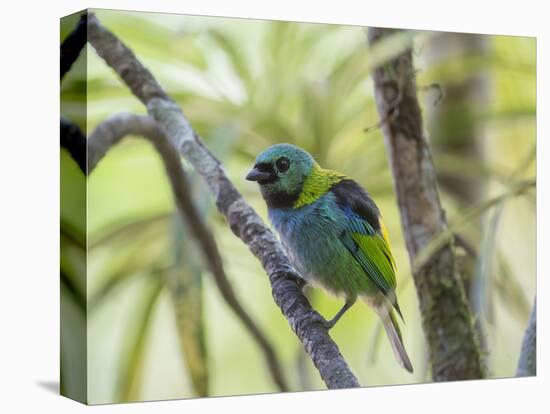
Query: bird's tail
(396, 341)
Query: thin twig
(110, 132)
(242, 219)
(431, 249)
(391, 113)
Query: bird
(333, 234)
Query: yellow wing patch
(386, 238)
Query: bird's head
(280, 171)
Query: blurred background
(158, 327)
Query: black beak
(256, 175)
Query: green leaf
(186, 288)
(132, 353)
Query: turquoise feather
(332, 231)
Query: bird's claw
(329, 324)
(316, 318)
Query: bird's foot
(315, 318)
(330, 324)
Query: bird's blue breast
(311, 236)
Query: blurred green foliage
(244, 85)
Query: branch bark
(527, 365)
(242, 219)
(109, 133)
(446, 317)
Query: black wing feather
(350, 194)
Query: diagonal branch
(109, 133)
(243, 220)
(72, 45)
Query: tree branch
(243, 220)
(109, 133)
(71, 137)
(527, 365)
(446, 317)
(74, 141)
(72, 45)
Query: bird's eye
(282, 164)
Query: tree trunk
(447, 321)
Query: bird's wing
(365, 235)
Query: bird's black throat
(278, 199)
